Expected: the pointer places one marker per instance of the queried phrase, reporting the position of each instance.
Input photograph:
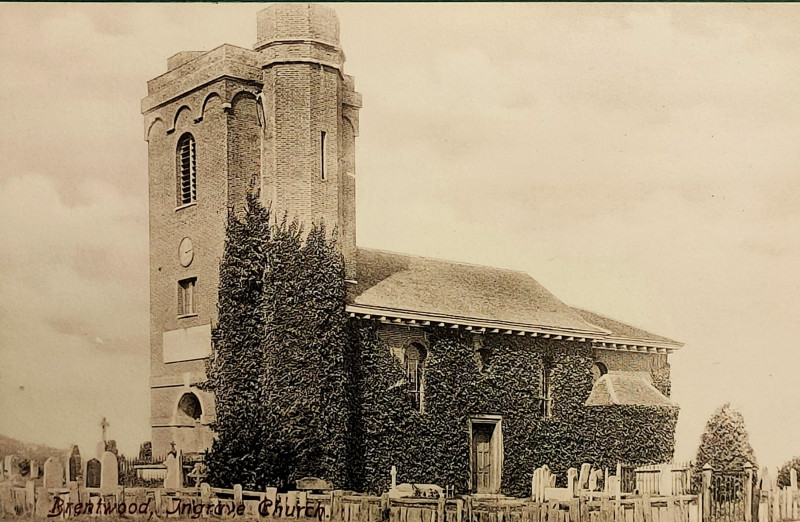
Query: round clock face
(186, 252)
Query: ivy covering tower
(278, 368)
(236, 369)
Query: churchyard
(103, 485)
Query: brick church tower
(279, 120)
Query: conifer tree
(725, 443)
(235, 370)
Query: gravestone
(593, 476)
(34, 473)
(313, 484)
(583, 479)
(53, 473)
(7, 466)
(93, 468)
(174, 478)
(766, 480)
(109, 472)
(11, 465)
(74, 464)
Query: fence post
(748, 492)
(706, 492)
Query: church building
(281, 119)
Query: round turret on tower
(297, 23)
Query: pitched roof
(626, 388)
(391, 282)
(622, 332)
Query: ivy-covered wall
(434, 447)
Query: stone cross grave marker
(109, 472)
(93, 469)
(53, 473)
(174, 478)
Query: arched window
(414, 362)
(598, 370)
(189, 409)
(187, 170)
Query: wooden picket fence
(576, 503)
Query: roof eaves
(471, 323)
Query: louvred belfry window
(187, 170)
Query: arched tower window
(189, 409)
(414, 362)
(186, 170)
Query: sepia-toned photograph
(400, 262)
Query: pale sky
(641, 161)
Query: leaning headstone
(93, 468)
(109, 472)
(174, 478)
(74, 464)
(53, 473)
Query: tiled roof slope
(622, 331)
(397, 282)
(625, 389)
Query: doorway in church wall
(486, 453)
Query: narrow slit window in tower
(322, 155)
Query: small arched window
(598, 370)
(186, 170)
(414, 362)
(189, 408)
